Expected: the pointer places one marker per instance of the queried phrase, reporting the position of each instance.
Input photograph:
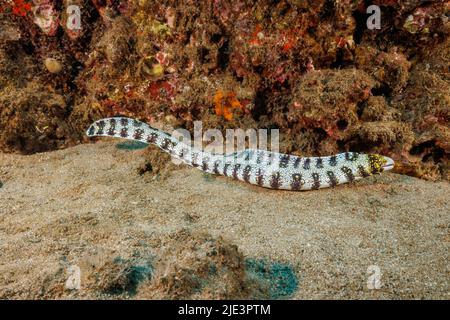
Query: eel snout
(388, 165)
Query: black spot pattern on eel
(275, 180)
(91, 130)
(152, 137)
(246, 173)
(123, 122)
(166, 144)
(333, 161)
(297, 182)
(205, 165)
(319, 163)
(235, 170)
(260, 177)
(259, 157)
(137, 123)
(351, 156)
(194, 159)
(249, 155)
(307, 164)
(216, 166)
(363, 172)
(332, 179)
(138, 134)
(124, 132)
(225, 168)
(297, 162)
(284, 161)
(111, 131)
(183, 151)
(269, 159)
(348, 173)
(101, 126)
(112, 127)
(316, 181)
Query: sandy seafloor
(56, 208)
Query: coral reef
(310, 68)
(33, 119)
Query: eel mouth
(389, 165)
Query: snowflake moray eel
(259, 167)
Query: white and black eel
(259, 167)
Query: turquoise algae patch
(131, 145)
(279, 277)
(135, 273)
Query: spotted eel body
(259, 167)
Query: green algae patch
(131, 145)
(279, 277)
